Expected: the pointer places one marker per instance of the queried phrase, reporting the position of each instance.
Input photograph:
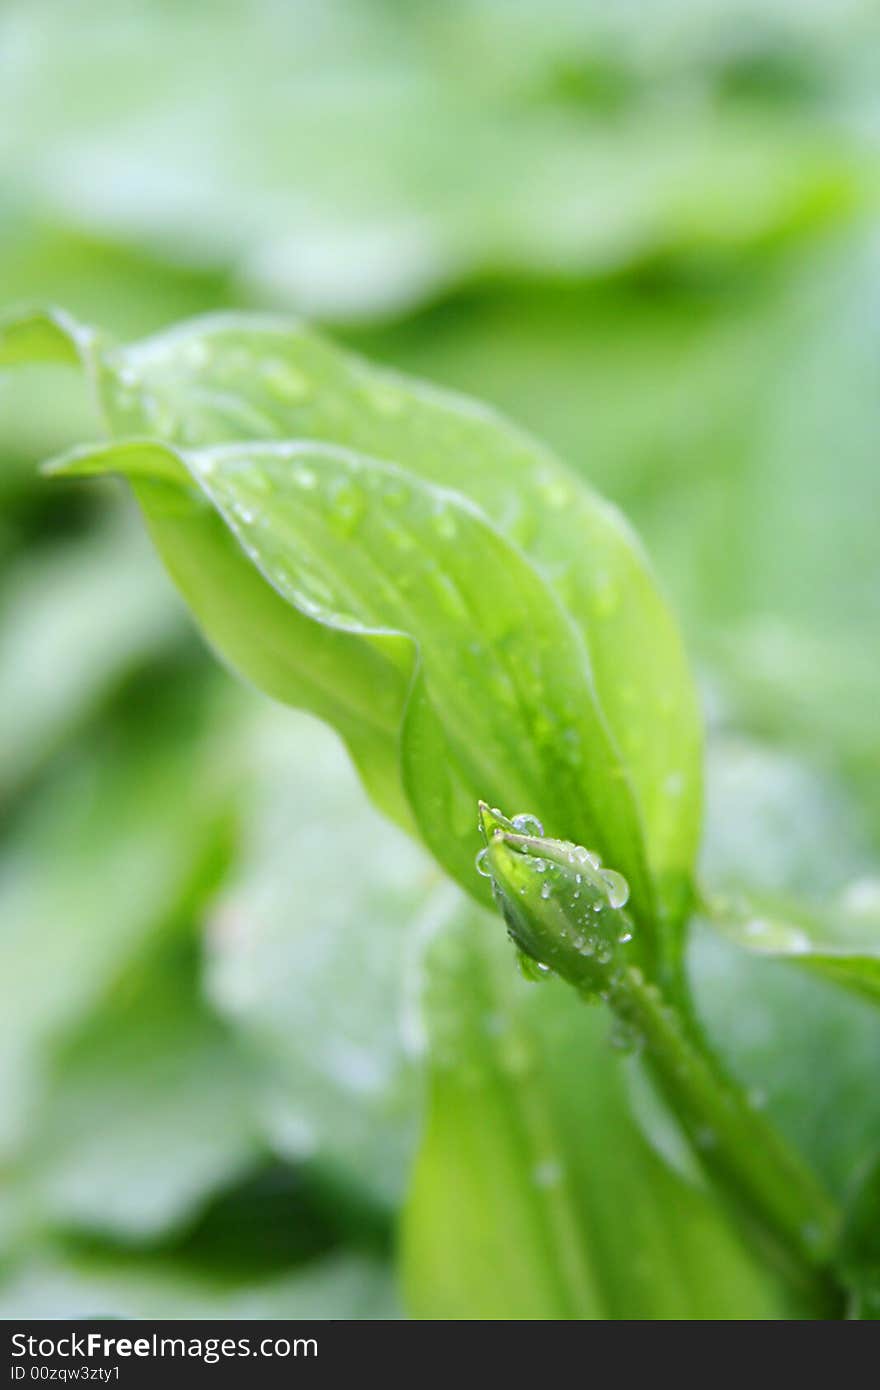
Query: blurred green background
(647, 231)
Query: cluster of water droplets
(594, 925)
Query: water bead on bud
(480, 863)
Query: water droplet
(286, 382)
(767, 935)
(480, 863)
(622, 1036)
(161, 417)
(195, 355)
(385, 398)
(546, 890)
(618, 888)
(585, 856)
(547, 1173)
(625, 936)
(555, 493)
(674, 784)
(603, 952)
(527, 824)
(347, 508)
(305, 477)
(533, 970)
(861, 898)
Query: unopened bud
(562, 908)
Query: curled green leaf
(244, 377)
(438, 632)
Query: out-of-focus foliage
(648, 233)
(535, 1194)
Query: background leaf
(535, 1193)
(231, 379)
(309, 957)
(792, 875)
(118, 815)
(93, 1286)
(804, 1047)
(68, 639)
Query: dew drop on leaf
(347, 507)
(622, 1036)
(547, 1173)
(533, 970)
(618, 888)
(286, 383)
(526, 824)
(444, 524)
(480, 863)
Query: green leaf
(232, 377)
(117, 814)
(498, 154)
(860, 1246)
(535, 1194)
(497, 672)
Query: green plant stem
(559, 910)
(751, 1162)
